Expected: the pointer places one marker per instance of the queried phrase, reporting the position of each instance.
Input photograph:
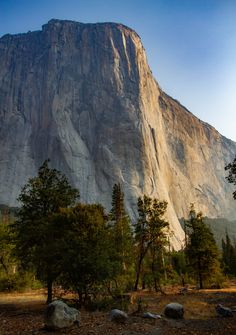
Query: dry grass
(14, 298)
(22, 314)
(198, 304)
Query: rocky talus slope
(83, 95)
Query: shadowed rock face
(83, 95)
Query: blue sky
(190, 44)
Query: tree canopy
(122, 234)
(150, 230)
(36, 231)
(201, 249)
(229, 256)
(83, 248)
(86, 250)
(231, 168)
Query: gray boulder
(58, 315)
(118, 316)
(174, 310)
(224, 311)
(149, 315)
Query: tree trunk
(182, 279)
(164, 265)
(200, 280)
(155, 284)
(49, 288)
(153, 272)
(4, 266)
(138, 273)
(79, 300)
(143, 284)
(200, 274)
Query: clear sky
(190, 44)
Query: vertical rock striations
(83, 95)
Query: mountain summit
(84, 96)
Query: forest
(55, 241)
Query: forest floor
(22, 314)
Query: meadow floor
(22, 314)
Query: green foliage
(20, 281)
(219, 226)
(122, 237)
(178, 261)
(37, 234)
(6, 246)
(12, 278)
(86, 250)
(117, 212)
(201, 249)
(231, 168)
(229, 256)
(150, 234)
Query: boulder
(174, 310)
(58, 315)
(149, 315)
(118, 316)
(224, 311)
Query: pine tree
(202, 252)
(36, 232)
(150, 231)
(6, 244)
(118, 208)
(231, 167)
(122, 230)
(229, 256)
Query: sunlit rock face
(83, 95)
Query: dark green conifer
(37, 234)
(122, 230)
(228, 256)
(150, 233)
(231, 167)
(202, 252)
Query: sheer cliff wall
(83, 95)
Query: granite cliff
(84, 96)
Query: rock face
(83, 95)
(58, 315)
